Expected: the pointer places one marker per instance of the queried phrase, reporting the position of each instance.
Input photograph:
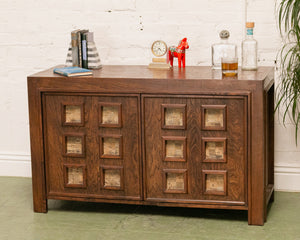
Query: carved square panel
(73, 114)
(75, 176)
(112, 177)
(173, 116)
(110, 114)
(214, 149)
(74, 145)
(111, 146)
(214, 117)
(215, 182)
(174, 148)
(175, 180)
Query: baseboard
(17, 165)
(287, 178)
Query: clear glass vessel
(229, 67)
(222, 49)
(249, 49)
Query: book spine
(74, 38)
(84, 50)
(79, 49)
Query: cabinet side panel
(36, 142)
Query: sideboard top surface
(139, 78)
(187, 73)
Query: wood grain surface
(179, 137)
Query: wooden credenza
(129, 134)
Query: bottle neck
(249, 33)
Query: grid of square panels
(111, 146)
(213, 149)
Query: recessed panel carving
(112, 178)
(110, 115)
(175, 181)
(75, 176)
(111, 146)
(214, 150)
(213, 117)
(74, 145)
(73, 113)
(174, 149)
(173, 116)
(215, 182)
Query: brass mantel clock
(159, 49)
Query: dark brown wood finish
(235, 133)
(142, 96)
(125, 150)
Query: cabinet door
(195, 149)
(92, 146)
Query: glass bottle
(249, 49)
(222, 49)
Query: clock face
(159, 48)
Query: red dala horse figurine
(178, 52)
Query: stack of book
(82, 51)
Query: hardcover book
(75, 49)
(72, 71)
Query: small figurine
(178, 52)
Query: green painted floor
(75, 220)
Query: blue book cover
(72, 71)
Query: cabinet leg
(40, 206)
(256, 217)
(257, 222)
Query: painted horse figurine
(178, 52)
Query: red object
(178, 52)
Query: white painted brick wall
(35, 35)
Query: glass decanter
(224, 49)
